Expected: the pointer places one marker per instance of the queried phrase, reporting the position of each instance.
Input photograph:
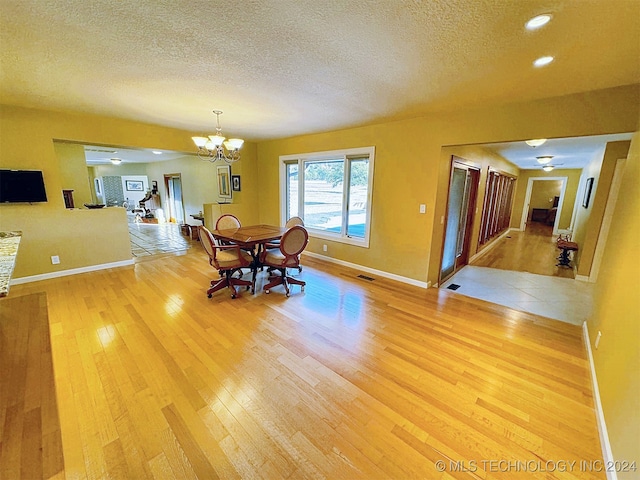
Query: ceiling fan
(545, 162)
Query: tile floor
(553, 297)
(153, 239)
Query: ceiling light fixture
(542, 61)
(536, 142)
(547, 168)
(544, 160)
(538, 21)
(116, 161)
(212, 148)
(156, 152)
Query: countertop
(9, 242)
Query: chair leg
(284, 280)
(228, 281)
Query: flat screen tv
(22, 186)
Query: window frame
(347, 155)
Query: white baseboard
(607, 454)
(489, 247)
(582, 278)
(73, 271)
(380, 273)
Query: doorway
(173, 200)
(537, 204)
(461, 207)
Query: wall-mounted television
(22, 186)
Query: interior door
(463, 187)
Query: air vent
(364, 277)
(453, 286)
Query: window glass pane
(323, 195)
(358, 186)
(292, 190)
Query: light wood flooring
(533, 251)
(350, 379)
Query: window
(331, 191)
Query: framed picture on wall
(134, 186)
(235, 183)
(587, 192)
(224, 181)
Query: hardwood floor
(350, 379)
(533, 251)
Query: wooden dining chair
(227, 259)
(293, 242)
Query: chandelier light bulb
(214, 147)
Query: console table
(9, 242)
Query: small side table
(566, 247)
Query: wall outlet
(423, 208)
(324, 248)
(55, 259)
(597, 342)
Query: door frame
(471, 214)
(527, 201)
(171, 217)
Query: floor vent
(364, 277)
(453, 286)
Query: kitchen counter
(9, 242)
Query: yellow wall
(481, 158)
(80, 237)
(73, 172)
(589, 220)
(410, 168)
(542, 194)
(573, 182)
(617, 303)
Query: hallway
(533, 251)
(520, 272)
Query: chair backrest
(293, 221)
(208, 242)
(227, 222)
(294, 241)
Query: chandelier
(214, 147)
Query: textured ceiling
(284, 67)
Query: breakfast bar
(9, 242)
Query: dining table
(251, 239)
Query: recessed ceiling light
(542, 61)
(537, 22)
(536, 142)
(156, 152)
(544, 159)
(116, 161)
